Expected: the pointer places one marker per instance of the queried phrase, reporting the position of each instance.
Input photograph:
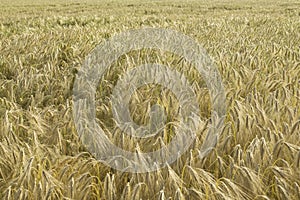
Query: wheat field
(254, 44)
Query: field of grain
(255, 46)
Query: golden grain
(255, 47)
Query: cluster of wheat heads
(256, 49)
